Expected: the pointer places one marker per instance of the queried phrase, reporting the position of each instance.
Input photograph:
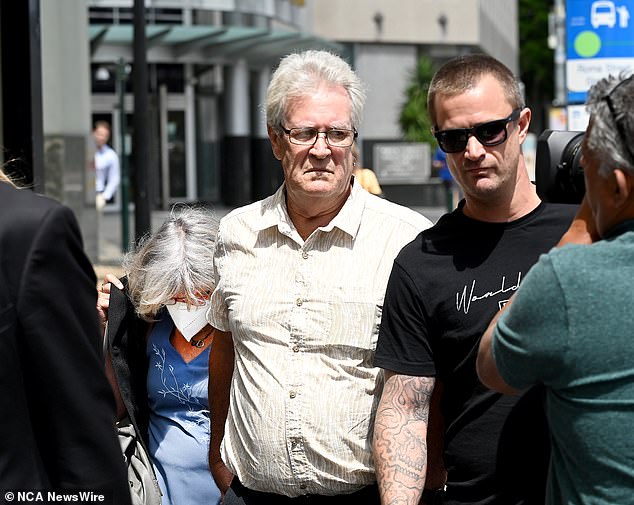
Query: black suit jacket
(57, 415)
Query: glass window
(176, 153)
(172, 75)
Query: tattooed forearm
(400, 446)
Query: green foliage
(414, 121)
(536, 72)
(536, 58)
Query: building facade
(210, 62)
(384, 41)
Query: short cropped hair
(300, 74)
(463, 73)
(103, 124)
(604, 138)
(176, 260)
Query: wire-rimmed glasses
(335, 137)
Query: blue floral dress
(179, 420)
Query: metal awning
(203, 44)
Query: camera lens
(558, 170)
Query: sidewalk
(110, 254)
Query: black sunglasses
(488, 134)
(619, 125)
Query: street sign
(599, 42)
(402, 162)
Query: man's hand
(222, 476)
(100, 202)
(583, 229)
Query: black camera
(558, 171)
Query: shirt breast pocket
(355, 316)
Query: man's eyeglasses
(335, 137)
(488, 134)
(619, 125)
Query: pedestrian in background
(107, 173)
(439, 163)
(58, 415)
(366, 176)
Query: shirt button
(299, 302)
(292, 394)
(304, 255)
(295, 348)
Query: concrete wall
(68, 147)
(385, 69)
(499, 29)
(385, 40)
(402, 21)
(439, 26)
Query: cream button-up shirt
(304, 317)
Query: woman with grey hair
(159, 343)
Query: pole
(141, 125)
(21, 98)
(560, 53)
(125, 182)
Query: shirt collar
(348, 220)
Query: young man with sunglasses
(445, 288)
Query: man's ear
(623, 187)
(276, 140)
(523, 123)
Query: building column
(68, 145)
(21, 134)
(266, 174)
(190, 134)
(235, 169)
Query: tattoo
(400, 445)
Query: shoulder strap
(117, 311)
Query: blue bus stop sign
(599, 42)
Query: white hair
(299, 74)
(176, 260)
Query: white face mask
(189, 322)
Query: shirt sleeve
(218, 314)
(403, 346)
(114, 176)
(529, 340)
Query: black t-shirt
(443, 291)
